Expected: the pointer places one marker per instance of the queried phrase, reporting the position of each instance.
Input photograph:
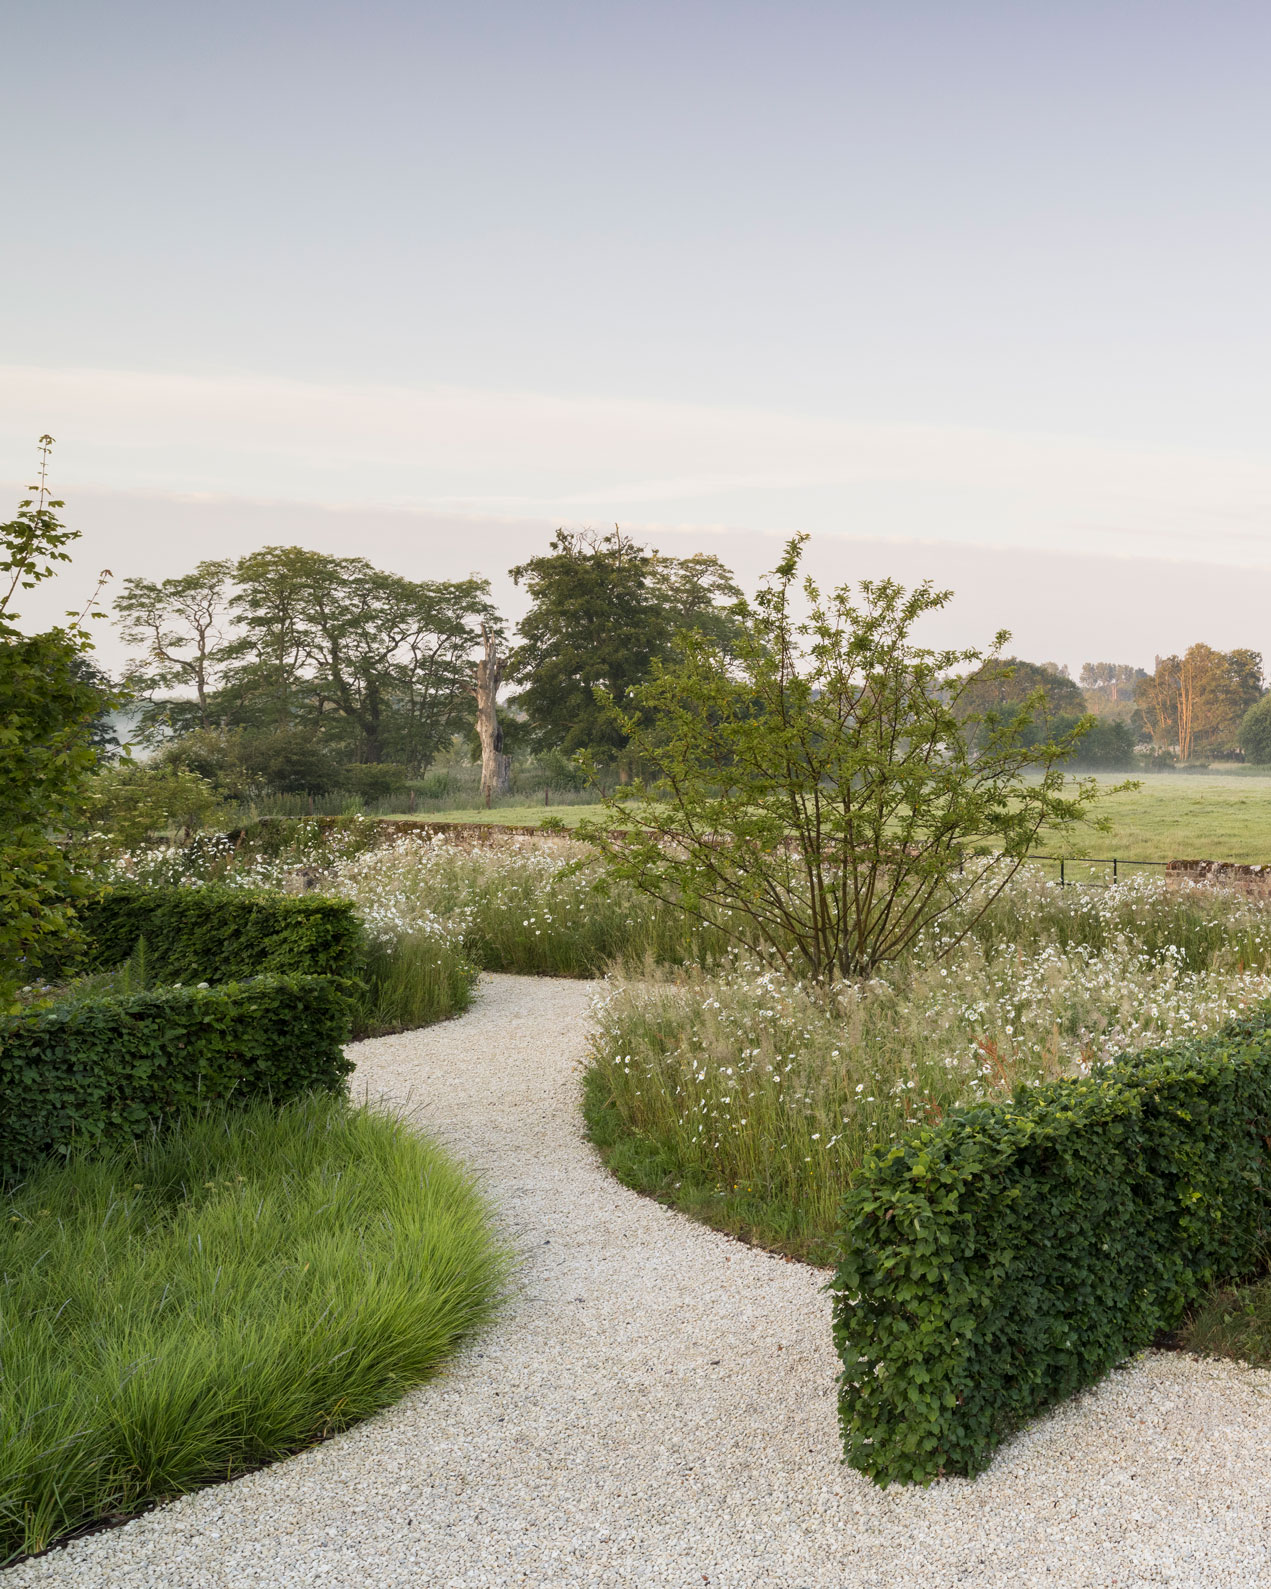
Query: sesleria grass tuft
(227, 1292)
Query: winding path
(656, 1407)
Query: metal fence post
(1061, 873)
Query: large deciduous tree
(1255, 732)
(1004, 684)
(181, 623)
(49, 704)
(594, 624)
(1196, 702)
(826, 795)
(301, 646)
(603, 611)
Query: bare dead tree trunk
(495, 766)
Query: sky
(972, 292)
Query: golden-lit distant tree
(1197, 701)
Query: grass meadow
(211, 1299)
(1173, 816)
(745, 1100)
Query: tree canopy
(50, 707)
(603, 611)
(1195, 702)
(298, 643)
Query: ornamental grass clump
(219, 1295)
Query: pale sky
(974, 291)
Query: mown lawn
(508, 816)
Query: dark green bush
(1000, 1261)
(374, 780)
(219, 934)
(107, 1070)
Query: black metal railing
(1115, 868)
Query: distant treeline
(298, 673)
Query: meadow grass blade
(221, 1294)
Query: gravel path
(657, 1408)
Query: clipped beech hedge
(218, 934)
(113, 1068)
(996, 1263)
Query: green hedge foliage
(996, 1263)
(221, 935)
(110, 1069)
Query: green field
(508, 816)
(1212, 817)
(1172, 816)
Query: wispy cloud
(450, 448)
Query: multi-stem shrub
(997, 1262)
(101, 1070)
(210, 1298)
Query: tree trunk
(495, 766)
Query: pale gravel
(656, 1407)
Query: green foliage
(106, 1070)
(133, 802)
(1000, 1261)
(824, 796)
(45, 762)
(100, 729)
(1106, 742)
(1004, 682)
(50, 709)
(241, 764)
(412, 981)
(208, 1299)
(603, 610)
(1233, 1322)
(375, 780)
(1255, 732)
(221, 935)
(594, 622)
(290, 761)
